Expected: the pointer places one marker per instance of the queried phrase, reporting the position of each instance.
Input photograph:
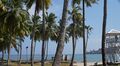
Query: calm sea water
(78, 57)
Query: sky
(94, 18)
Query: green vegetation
(36, 64)
(16, 24)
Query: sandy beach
(88, 63)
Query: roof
(113, 32)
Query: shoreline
(88, 63)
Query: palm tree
(84, 50)
(32, 42)
(104, 32)
(75, 29)
(43, 34)
(62, 32)
(88, 3)
(3, 47)
(88, 30)
(22, 31)
(35, 35)
(13, 21)
(37, 28)
(39, 5)
(50, 29)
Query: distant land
(114, 49)
(94, 51)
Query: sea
(77, 58)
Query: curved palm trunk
(73, 54)
(104, 32)
(73, 41)
(3, 56)
(84, 45)
(60, 45)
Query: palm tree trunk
(86, 40)
(61, 40)
(8, 61)
(73, 54)
(20, 53)
(3, 55)
(32, 41)
(73, 41)
(84, 45)
(43, 41)
(32, 49)
(104, 32)
(46, 50)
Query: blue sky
(94, 16)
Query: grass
(36, 64)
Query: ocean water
(78, 57)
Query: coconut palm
(88, 30)
(39, 5)
(104, 32)
(62, 32)
(84, 50)
(37, 29)
(50, 29)
(3, 45)
(24, 31)
(13, 21)
(75, 28)
(35, 35)
(88, 3)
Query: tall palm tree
(23, 30)
(43, 34)
(84, 39)
(104, 32)
(88, 3)
(62, 32)
(75, 29)
(50, 29)
(12, 20)
(84, 50)
(32, 43)
(16, 27)
(35, 36)
(39, 5)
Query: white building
(113, 46)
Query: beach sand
(88, 63)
